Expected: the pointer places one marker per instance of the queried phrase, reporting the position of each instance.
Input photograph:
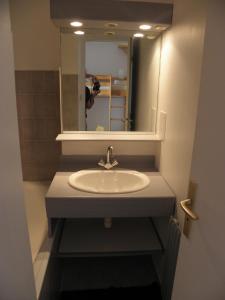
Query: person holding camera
(90, 95)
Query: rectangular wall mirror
(109, 82)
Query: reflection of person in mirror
(90, 95)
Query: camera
(96, 85)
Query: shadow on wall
(34, 197)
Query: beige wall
(120, 148)
(70, 65)
(69, 54)
(36, 53)
(181, 63)
(147, 84)
(35, 38)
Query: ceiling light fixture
(151, 37)
(79, 32)
(160, 27)
(145, 27)
(139, 35)
(111, 25)
(76, 24)
(110, 33)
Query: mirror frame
(109, 135)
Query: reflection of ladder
(106, 91)
(113, 92)
(119, 91)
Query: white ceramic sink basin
(109, 182)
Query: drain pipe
(108, 223)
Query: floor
(151, 292)
(34, 197)
(109, 276)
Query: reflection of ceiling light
(145, 27)
(79, 32)
(109, 33)
(111, 25)
(151, 37)
(160, 27)
(76, 24)
(139, 35)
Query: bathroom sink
(109, 181)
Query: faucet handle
(101, 163)
(115, 163)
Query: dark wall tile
(20, 129)
(45, 151)
(47, 105)
(28, 129)
(39, 122)
(46, 129)
(52, 129)
(27, 153)
(37, 171)
(45, 82)
(23, 82)
(38, 86)
(25, 105)
(70, 102)
(51, 82)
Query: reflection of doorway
(81, 76)
(108, 58)
(134, 79)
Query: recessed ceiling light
(160, 27)
(145, 27)
(139, 35)
(76, 24)
(111, 25)
(79, 32)
(110, 33)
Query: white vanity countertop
(60, 189)
(63, 201)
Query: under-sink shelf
(89, 237)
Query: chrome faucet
(110, 161)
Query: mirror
(109, 82)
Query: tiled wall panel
(39, 122)
(70, 102)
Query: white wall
(16, 274)
(35, 37)
(98, 115)
(147, 84)
(104, 58)
(201, 264)
(34, 198)
(181, 64)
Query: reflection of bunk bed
(113, 88)
(120, 90)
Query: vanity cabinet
(76, 221)
(63, 201)
(86, 255)
(89, 237)
(133, 252)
